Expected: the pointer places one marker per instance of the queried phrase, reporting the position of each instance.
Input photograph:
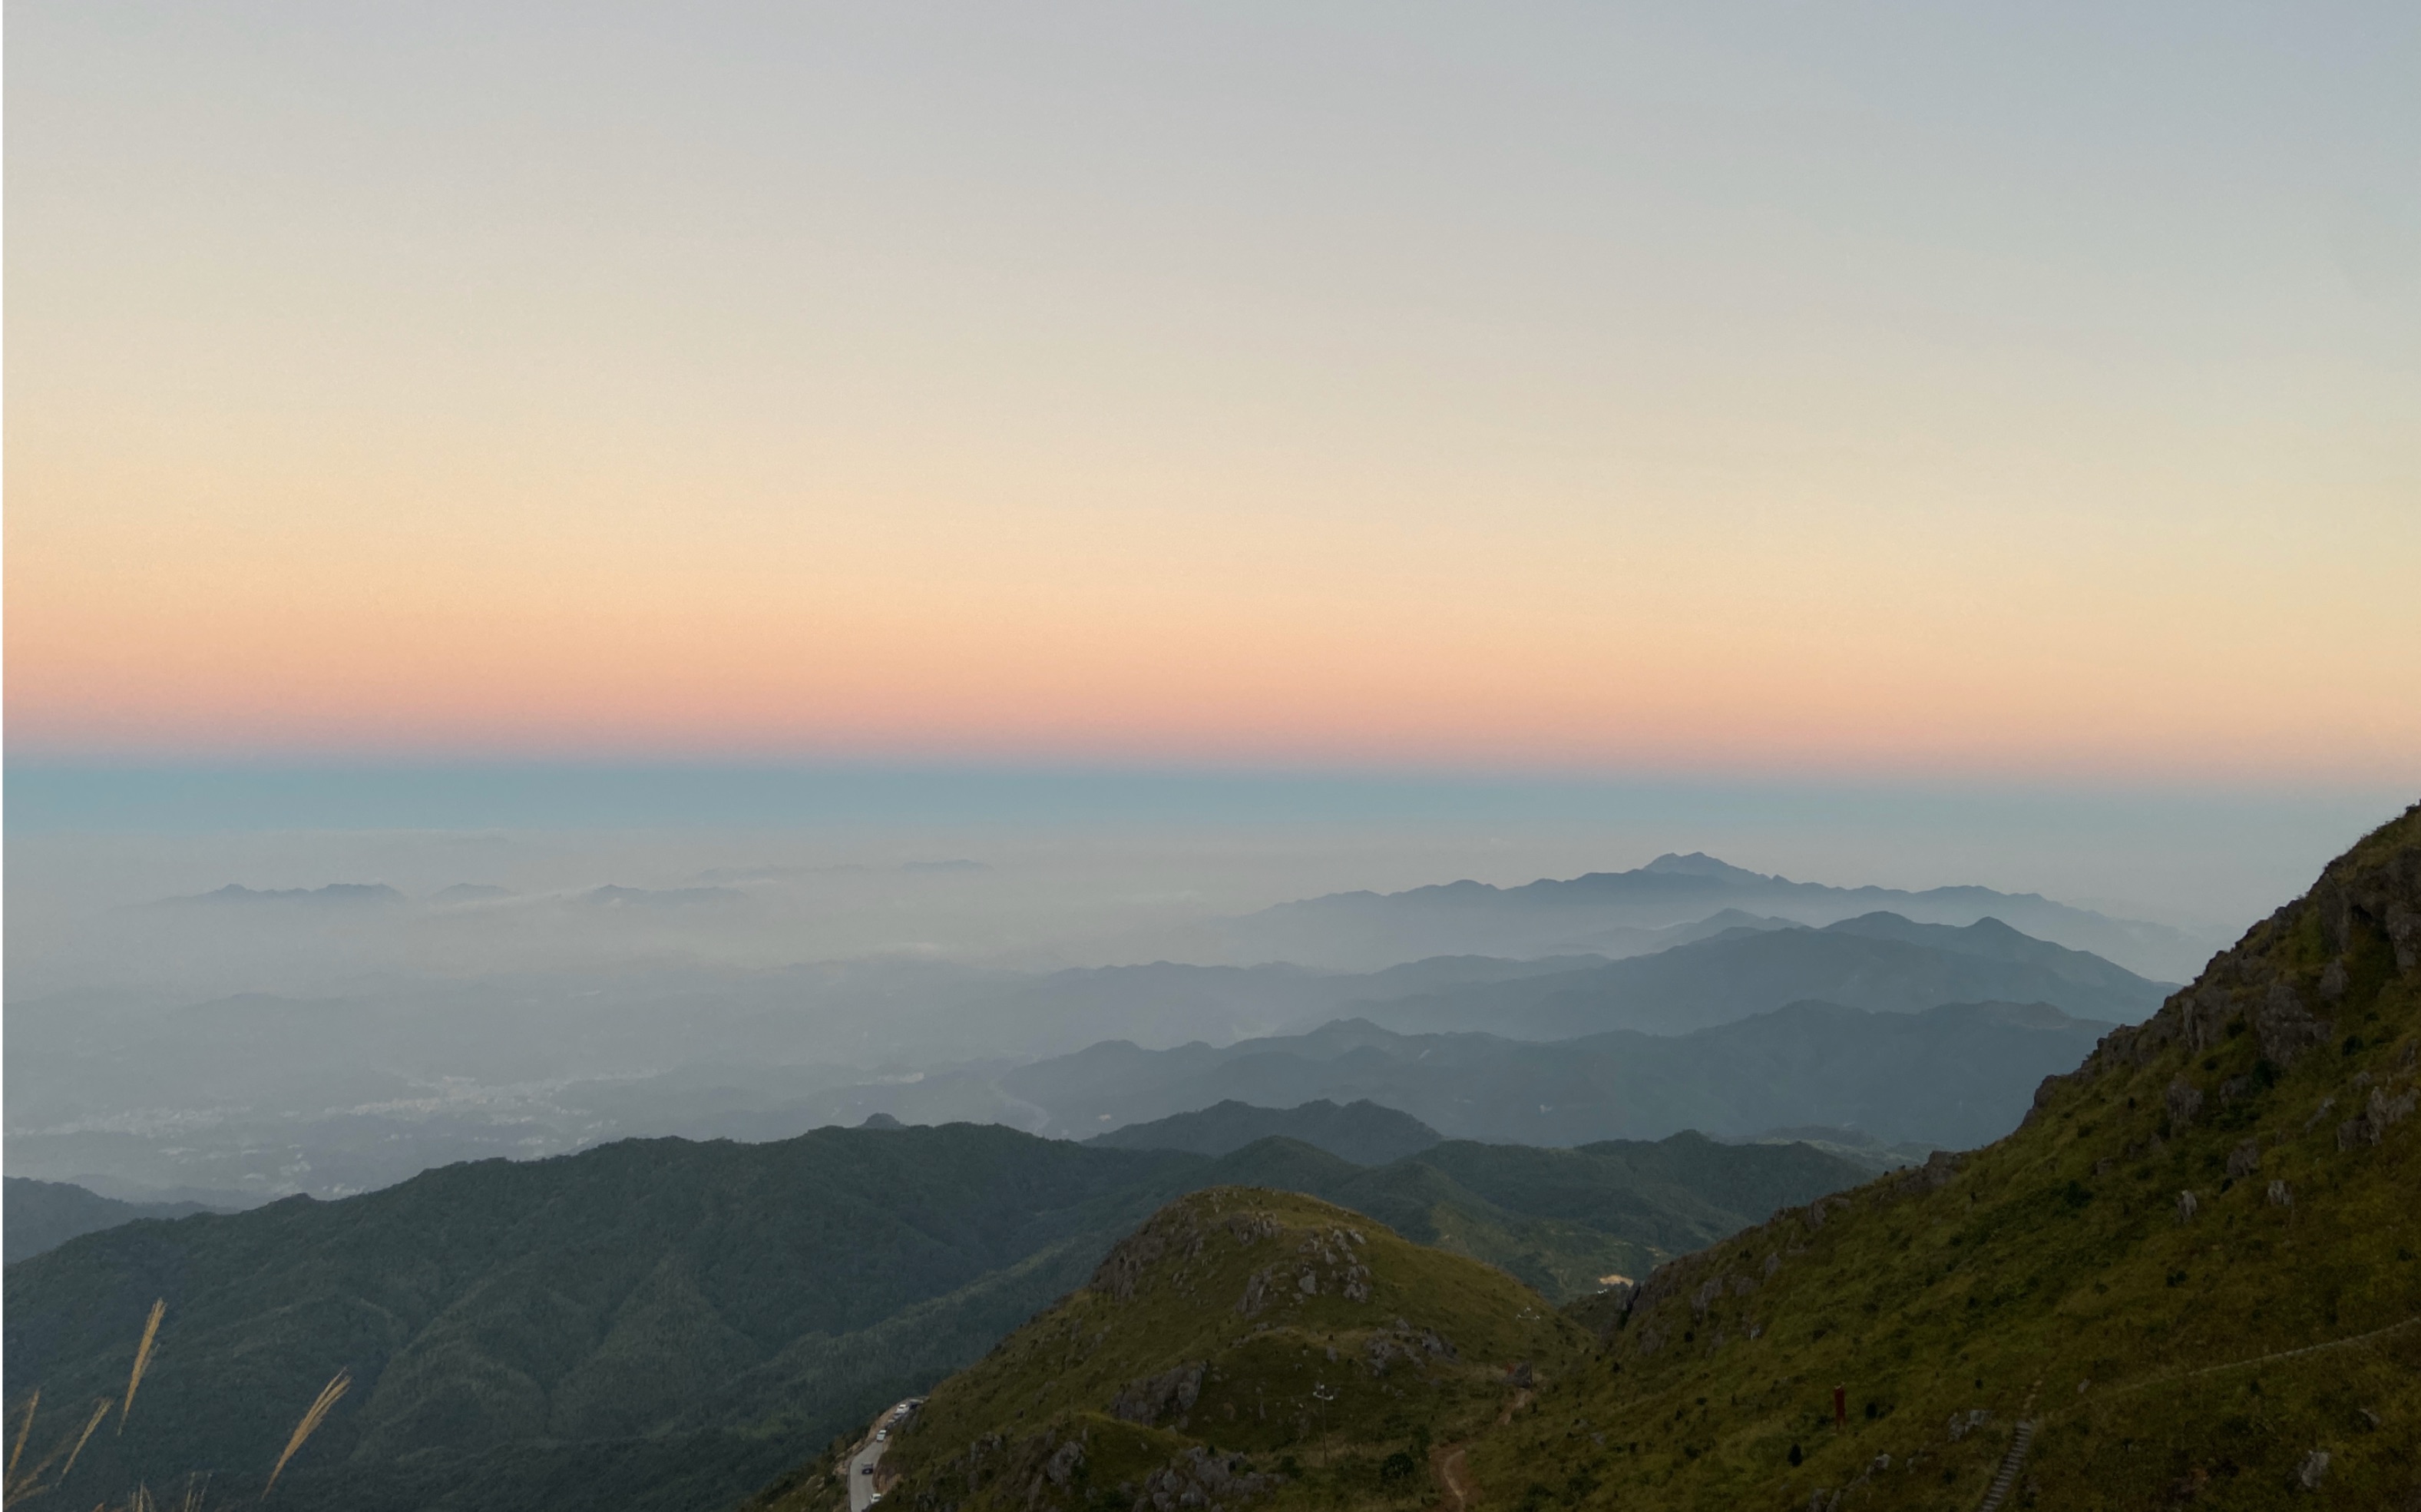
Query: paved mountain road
(861, 1474)
(862, 1466)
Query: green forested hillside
(641, 1325)
(666, 1324)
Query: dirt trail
(2101, 1395)
(1453, 1472)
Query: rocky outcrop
(1326, 1259)
(1172, 1392)
(2292, 976)
(2244, 1159)
(1403, 1343)
(2380, 1114)
(1201, 1478)
(1175, 1233)
(1935, 1174)
(2186, 1102)
(2284, 1026)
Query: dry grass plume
(329, 1396)
(99, 1411)
(142, 1359)
(23, 1430)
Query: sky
(1574, 392)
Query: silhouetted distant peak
(1699, 863)
(469, 892)
(880, 1120)
(662, 897)
(340, 893)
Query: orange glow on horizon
(1178, 422)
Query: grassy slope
(1288, 1384)
(2053, 1268)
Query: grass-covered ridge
(2196, 1271)
(1247, 1344)
(666, 1324)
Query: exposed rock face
(2285, 1028)
(1962, 1424)
(1158, 1396)
(2187, 1207)
(2334, 981)
(1821, 1206)
(1064, 1463)
(1328, 1256)
(2186, 1102)
(1173, 1232)
(1935, 1174)
(1199, 1478)
(2244, 1159)
(2377, 1117)
(1414, 1347)
(2365, 898)
(2314, 1470)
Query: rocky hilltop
(1245, 1345)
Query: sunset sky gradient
(1559, 389)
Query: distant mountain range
(1362, 1132)
(1616, 914)
(662, 1324)
(335, 894)
(1812, 1040)
(1953, 1077)
(1878, 961)
(43, 1215)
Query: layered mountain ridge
(1606, 912)
(2192, 1277)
